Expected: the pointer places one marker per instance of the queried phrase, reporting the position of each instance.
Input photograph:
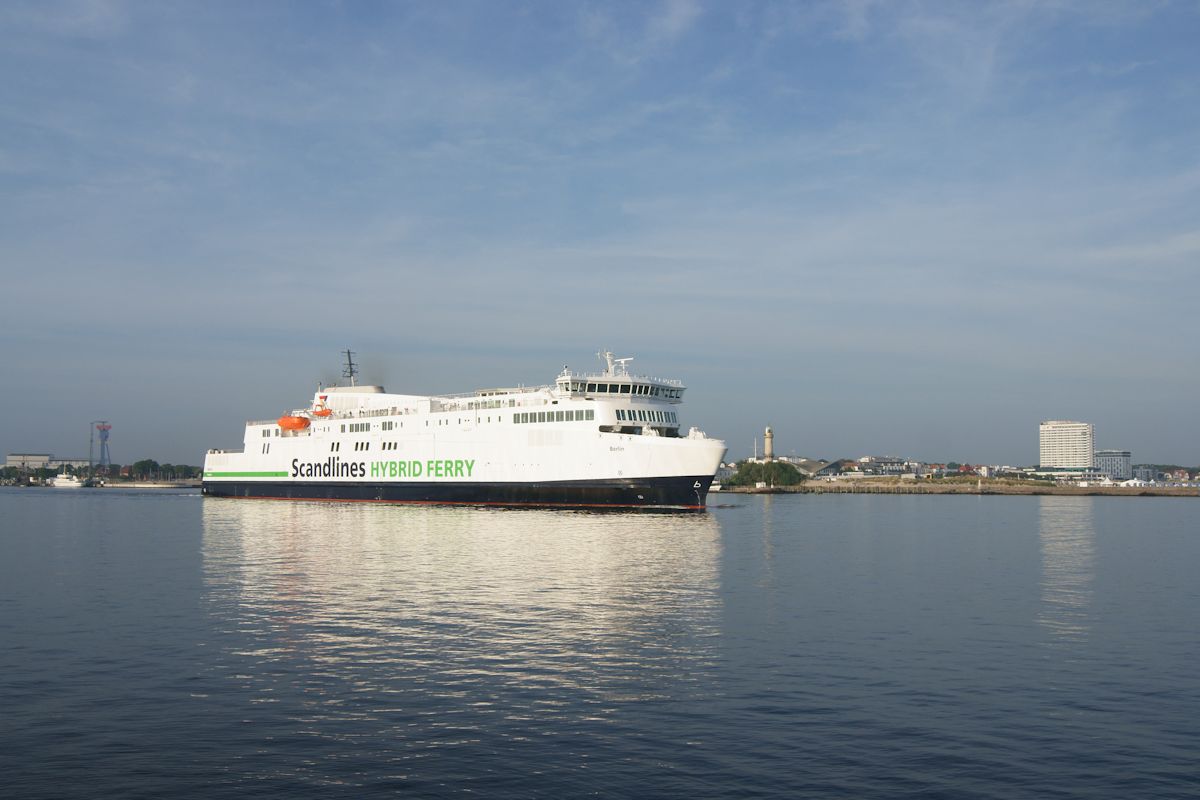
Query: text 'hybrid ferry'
(610, 439)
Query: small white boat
(65, 480)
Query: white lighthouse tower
(769, 445)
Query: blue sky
(909, 228)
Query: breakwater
(964, 487)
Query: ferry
(609, 439)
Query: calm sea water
(167, 645)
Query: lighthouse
(769, 445)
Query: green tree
(772, 473)
(145, 468)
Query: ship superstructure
(605, 439)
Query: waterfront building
(1066, 444)
(883, 465)
(31, 461)
(1145, 472)
(1117, 464)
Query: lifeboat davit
(291, 423)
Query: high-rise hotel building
(1065, 444)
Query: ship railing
(603, 377)
(491, 392)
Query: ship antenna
(351, 369)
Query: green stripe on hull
(280, 474)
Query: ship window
(570, 416)
(541, 416)
(591, 387)
(620, 414)
(590, 414)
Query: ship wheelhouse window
(591, 387)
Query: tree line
(145, 470)
(772, 473)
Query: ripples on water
(425, 637)
(847, 646)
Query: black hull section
(647, 493)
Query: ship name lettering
(332, 467)
(433, 468)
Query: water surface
(803, 646)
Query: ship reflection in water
(440, 624)
(1068, 538)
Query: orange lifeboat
(291, 423)
(322, 412)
